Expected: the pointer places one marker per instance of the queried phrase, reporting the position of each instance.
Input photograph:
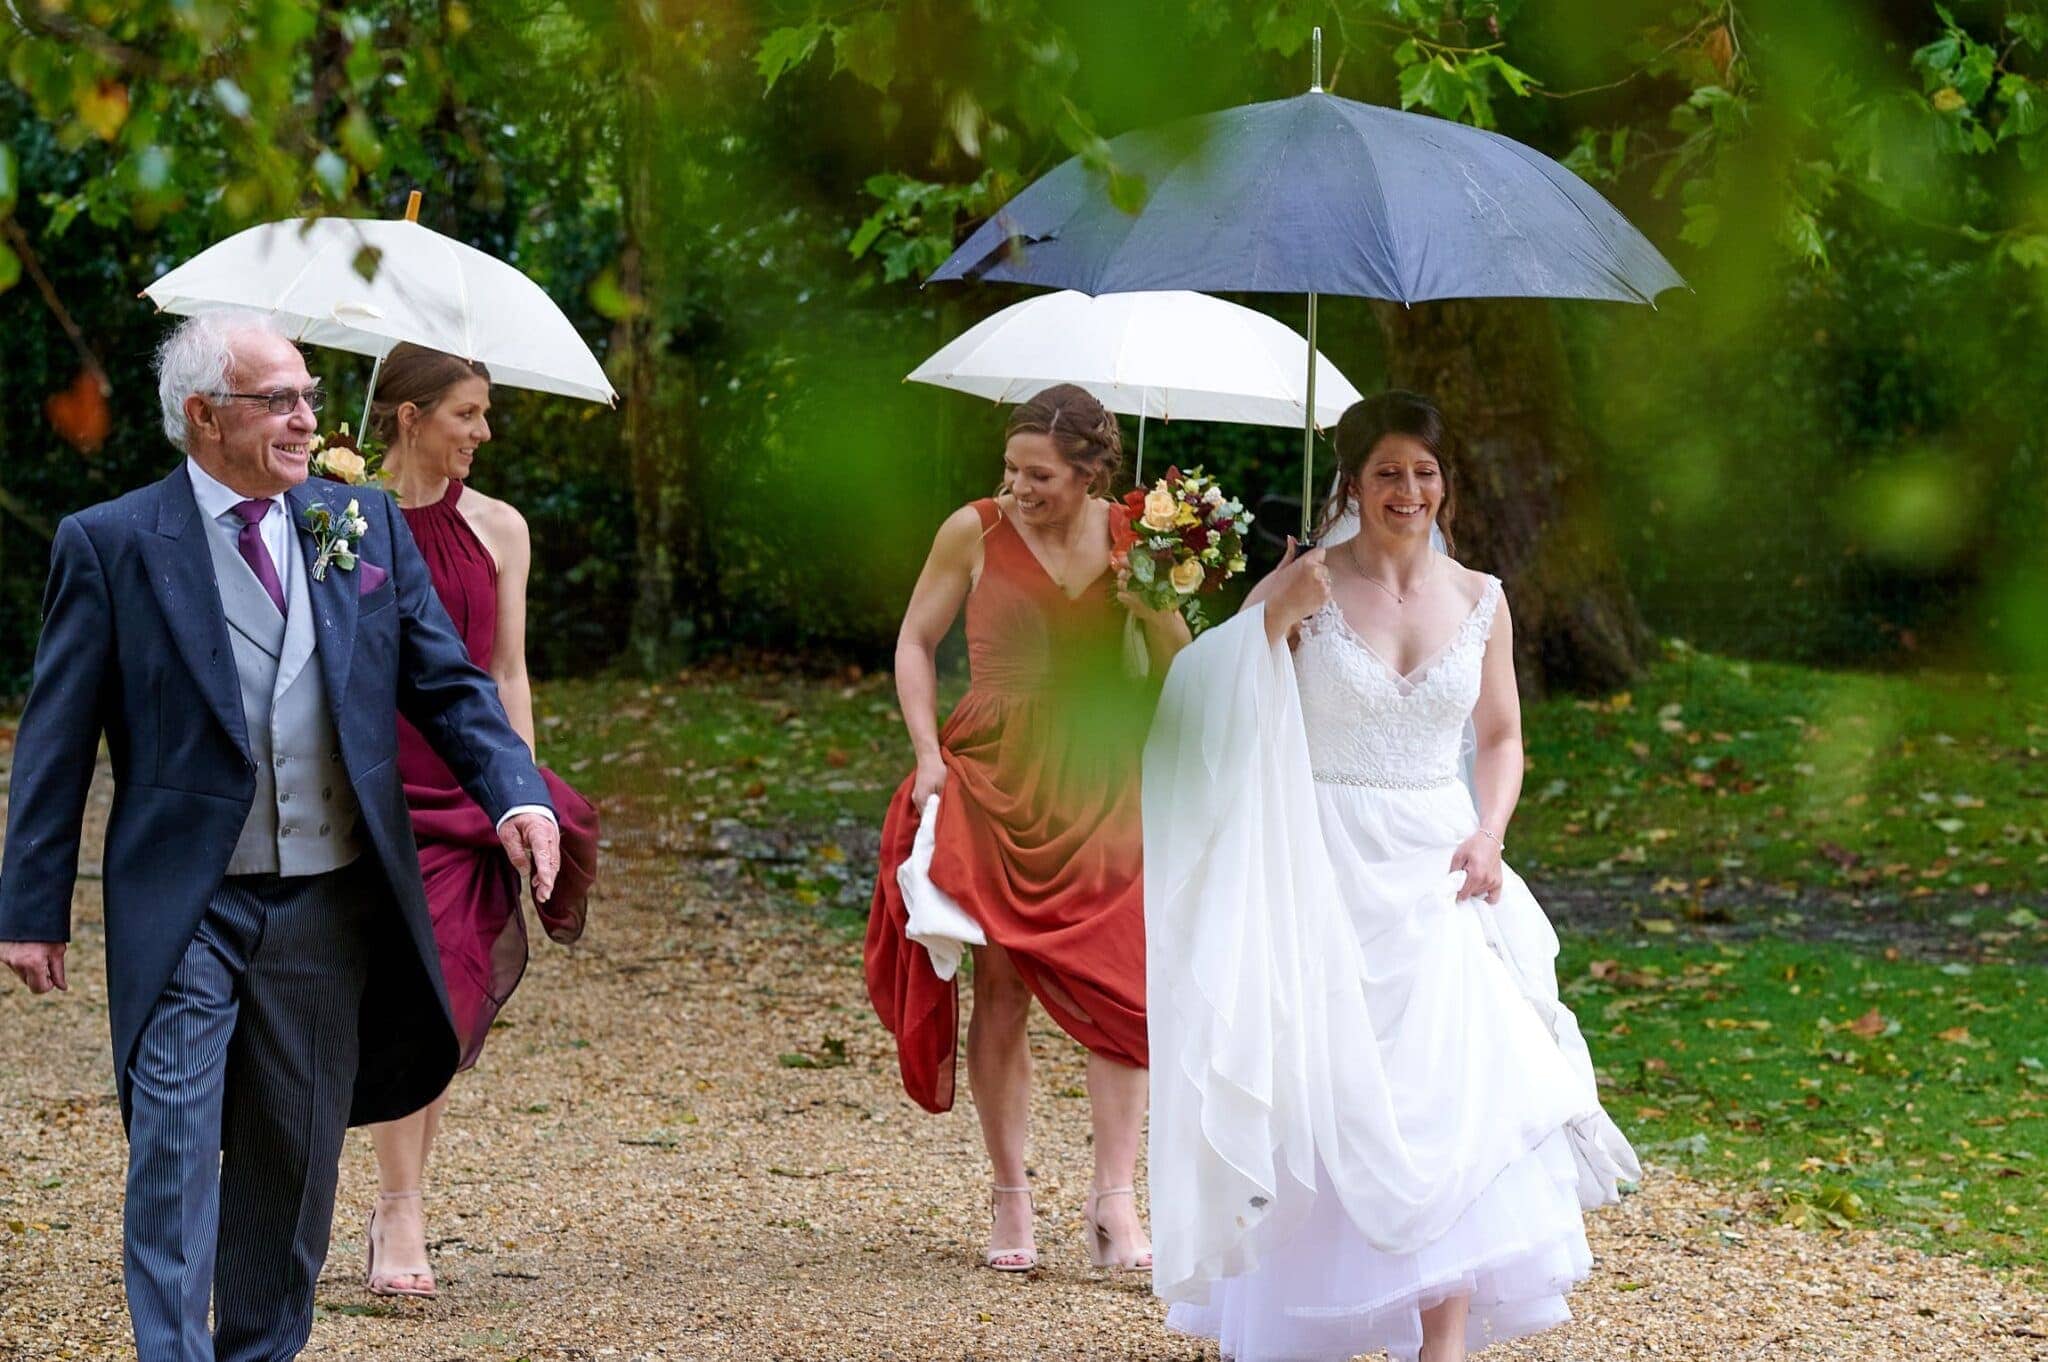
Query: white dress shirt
(217, 502)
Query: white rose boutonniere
(335, 537)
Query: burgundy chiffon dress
(472, 890)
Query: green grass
(758, 744)
(1850, 1090)
(1874, 788)
(1709, 774)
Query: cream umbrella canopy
(1171, 355)
(365, 284)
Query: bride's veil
(1345, 527)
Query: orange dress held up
(1039, 838)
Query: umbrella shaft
(1308, 426)
(369, 393)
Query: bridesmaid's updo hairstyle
(415, 374)
(1081, 428)
(1368, 421)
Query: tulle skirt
(1489, 1083)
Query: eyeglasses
(284, 401)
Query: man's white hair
(196, 358)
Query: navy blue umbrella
(1317, 194)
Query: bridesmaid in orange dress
(1038, 836)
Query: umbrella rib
(462, 294)
(277, 303)
(1379, 219)
(1598, 231)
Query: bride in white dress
(1374, 1125)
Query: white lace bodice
(1368, 726)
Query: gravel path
(637, 1172)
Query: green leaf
(1517, 79)
(787, 48)
(872, 226)
(359, 140)
(2028, 252)
(1437, 86)
(609, 297)
(1974, 73)
(1933, 61)
(1284, 29)
(1702, 224)
(10, 185)
(1800, 231)
(10, 271)
(867, 49)
(2024, 116)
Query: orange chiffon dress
(1038, 839)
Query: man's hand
(39, 963)
(535, 845)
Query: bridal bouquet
(1179, 540)
(341, 457)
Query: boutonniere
(334, 537)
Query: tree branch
(22, 512)
(18, 239)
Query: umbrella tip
(412, 206)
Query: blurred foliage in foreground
(1831, 450)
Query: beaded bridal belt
(1384, 782)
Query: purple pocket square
(370, 578)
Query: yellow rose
(1159, 509)
(344, 465)
(1186, 576)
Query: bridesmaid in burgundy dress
(430, 412)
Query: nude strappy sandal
(1026, 1258)
(1099, 1253)
(384, 1281)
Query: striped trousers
(241, 1085)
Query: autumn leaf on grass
(1831, 1207)
(1869, 1025)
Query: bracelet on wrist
(1488, 832)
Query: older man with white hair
(244, 639)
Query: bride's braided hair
(1364, 424)
(1082, 429)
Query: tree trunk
(1527, 509)
(670, 576)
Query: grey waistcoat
(304, 820)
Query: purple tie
(250, 542)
